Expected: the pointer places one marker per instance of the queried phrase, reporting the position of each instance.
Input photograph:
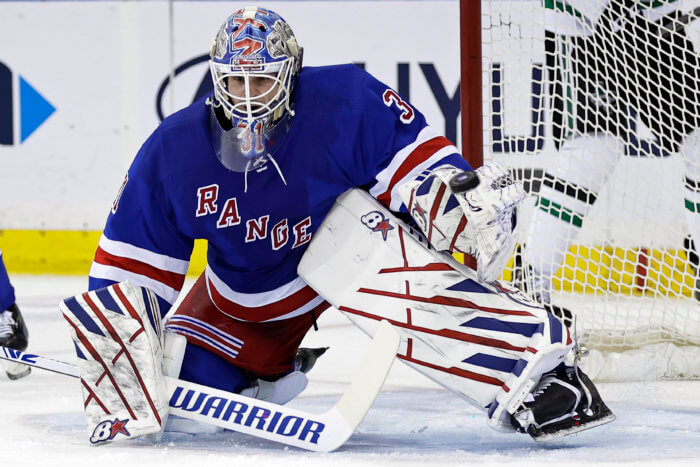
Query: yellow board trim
(65, 252)
(598, 270)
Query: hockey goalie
(254, 167)
(487, 343)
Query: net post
(470, 90)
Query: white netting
(595, 104)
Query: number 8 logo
(103, 432)
(390, 97)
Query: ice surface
(413, 422)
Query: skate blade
(575, 429)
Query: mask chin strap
(247, 167)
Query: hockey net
(594, 105)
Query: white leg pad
(173, 355)
(117, 334)
(483, 341)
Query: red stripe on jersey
(262, 313)
(229, 343)
(422, 153)
(171, 279)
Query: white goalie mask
(255, 61)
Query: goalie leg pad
(174, 346)
(484, 342)
(117, 335)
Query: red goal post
(470, 83)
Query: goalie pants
(230, 352)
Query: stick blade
(315, 432)
(374, 369)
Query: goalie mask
(255, 61)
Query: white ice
(413, 422)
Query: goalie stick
(315, 432)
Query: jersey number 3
(390, 98)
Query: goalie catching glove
(117, 335)
(468, 212)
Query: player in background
(605, 60)
(254, 168)
(13, 331)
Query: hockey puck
(464, 181)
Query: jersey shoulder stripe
(428, 148)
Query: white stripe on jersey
(194, 323)
(203, 338)
(266, 298)
(396, 201)
(253, 300)
(299, 311)
(101, 271)
(385, 176)
(157, 260)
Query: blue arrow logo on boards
(34, 109)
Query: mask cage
(247, 108)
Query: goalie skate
(564, 402)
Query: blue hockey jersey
(349, 130)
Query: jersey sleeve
(396, 145)
(141, 242)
